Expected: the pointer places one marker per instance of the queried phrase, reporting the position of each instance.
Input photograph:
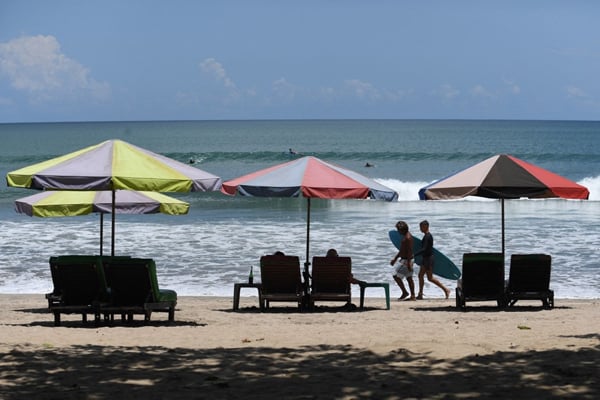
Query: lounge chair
(330, 279)
(482, 279)
(280, 279)
(134, 289)
(529, 279)
(79, 286)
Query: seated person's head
(279, 253)
(331, 253)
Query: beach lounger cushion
(331, 279)
(529, 279)
(280, 280)
(79, 286)
(134, 289)
(482, 279)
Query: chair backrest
(331, 274)
(482, 274)
(79, 280)
(280, 274)
(529, 272)
(133, 281)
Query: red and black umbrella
(504, 177)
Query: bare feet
(412, 298)
(404, 295)
(447, 291)
(420, 297)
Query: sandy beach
(422, 350)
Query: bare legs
(411, 286)
(430, 278)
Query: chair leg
(56, 318)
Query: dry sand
(417, 350)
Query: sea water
(206, 251)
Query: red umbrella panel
(504, 177)
(308, 177)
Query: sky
(125, 60)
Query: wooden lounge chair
(482, 279)
(79, 286)
(529, 279)
(330, 279)
(280, 279)
(134, 289)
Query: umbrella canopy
(503, 177)
(309, 177)
(57, 203)
(112, 165)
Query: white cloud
(282, 89)
(362, 89)
(36, 65)
(480, 91)
(447, 92)
(575, 92)
(512, 86)
(216, 69)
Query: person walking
(428, 261)
(404, 269)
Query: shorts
(401, 269)
(427, 263)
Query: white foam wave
(593, 185)
(204, 254)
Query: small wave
(593, 185)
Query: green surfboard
(442, 266)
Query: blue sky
(170, 60)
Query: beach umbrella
(504, 177)
(308, 177)
(113, 165)
(59, 203)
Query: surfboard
(442, 266)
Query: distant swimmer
(192, 161)
(292, 151)
(368, 165)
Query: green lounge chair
(79, 286)
(280, 280)
(482, 279)
(331, 279)
(134, 289)
(529, 279)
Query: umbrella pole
(307, 262)
(101, 230)
(502, 207)
(112, 237)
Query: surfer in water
(404, 269)
(428, 261)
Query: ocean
(206, 251)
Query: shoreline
(422, 349)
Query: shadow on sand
(312, 372)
